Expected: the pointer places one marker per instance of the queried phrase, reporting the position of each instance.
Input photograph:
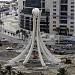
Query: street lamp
(3, 27)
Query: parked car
(9, 48)
(59, 52)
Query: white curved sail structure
(41, 48)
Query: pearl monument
(41, 48)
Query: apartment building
(57, 15)
(62, 17)
(25, 14)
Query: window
(43, 5)
(54, 9)
(54, 17)
(54, 2)
(54, 13)
(54, 29)
(72, 10)
(72, 2)
(64, 1)
(33, 3)
(54, 21)
(54, 25)
(72, 22)
(63, 17)
(72, 26)
(72, 14)
(63, 26)
(63, 7)
(54, 5)
(43, 0)
(27, 17)
(72, 17)
(72, 6)
(63, 21)
(71, 30)
(63, 13)
(43, 10)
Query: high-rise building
(25, 14)
(14, 0)
(62, 16)
(57, 15)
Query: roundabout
(41, 54)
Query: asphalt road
(14, 40)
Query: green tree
(57, 30)
(67, 31)
(1, 23)
(0, 66)
(20, 73)
(62, 71)
(7, 13)
(68, 61)
(18, 32)
(2, 72)
(13, 34)
(8, 70)
(5, 31)
(22, 33)
(25, 34)
(14, 73)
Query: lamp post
(3, 27)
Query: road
(11, 25)
(15, 40)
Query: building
(62, 17)
(14, 0)
(25, 17)
(57, 15)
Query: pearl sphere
(35, 11)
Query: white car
(9, 48)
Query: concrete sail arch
(41, 48)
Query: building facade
(62, 17)
(25, 17)
(57, 15)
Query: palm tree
(22, 33)
(13, 34)
(67, 31)
(18, 32)
(2, 72)
(14, 73)
(9, 70)
(5, 31)
(1, 23)
(20, 73)
(25, 34)
(57, 30)
(0, 14)
(68, 61)
(62, 71)
(0, 66)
